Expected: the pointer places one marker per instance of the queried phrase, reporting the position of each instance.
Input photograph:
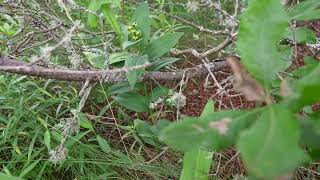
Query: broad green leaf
(111, 19)
(95, 5)
(119, 57)
(162, 45)
(157, 92)
(310, 134)
(85, 122)
(309, 65)
(93, 20)
(192, 133)
(161, 124)
(196, 165)
(103, 143)
(134, 75)
(302, 35)
(133, 101)
(270, 147)
(306, 10)
(141, 17)
(120, 88)
(8, 177)
(306, 90)
(310, 130)
(157, 65)
(286, 53)
(261, 27)
(46, 139)
(130, 44)
(95, 59)
(145, 132)
(208, 109)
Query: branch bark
(109, 76)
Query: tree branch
(109, 76)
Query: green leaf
(303, 35)
(134, 75)
(111, 19)
(29, 168)
(76, 139)
(119, 88)
(93, 20)
(130, 44)
(157, 65)
(133, 101)
(306, 10)
(310, 130)
(286, 52)
(306, 90)
(261, 27)
(46, 139)
(104, 145)
(95, 59)
(161, 125)
(162, 45)
(270, 147)
(145, 132)
(119, 57)
(309, 65)
(157, 92)
(208, 109)
(85, 122)
(8, 177)
(196, 165)
(193, 133)
(94, 6)
(141, 17)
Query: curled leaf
(244, 83)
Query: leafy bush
(112, 125)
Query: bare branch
(110, 76)
(196, 54)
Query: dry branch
(109, 76)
